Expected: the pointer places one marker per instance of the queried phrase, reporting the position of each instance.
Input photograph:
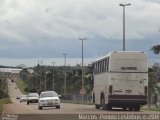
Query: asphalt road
(22, 108)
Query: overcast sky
(48, 28)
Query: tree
(3, 86)
(156, 49)
(36, 80)
(151, 85)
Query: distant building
(22, 66)
(10, 70)
(30, 71)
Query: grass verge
(76, 102)
(21, 85)
(4, 101)
(152, 108)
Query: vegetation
(151, 85)
(3, 86)
(4, 101)
(21, 85)
(154, 77)
(36, 81)
(156, 49)
(3, 91)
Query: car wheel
(57, 107)
(27, 103)
(97, 106)
(40, 108)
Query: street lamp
(82, 87)
(45, 84)
(53, 77)
(123, 5)
(65, 54)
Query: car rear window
(48, 94)
(33, 95)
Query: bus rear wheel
(137, 108)
(103, 104)
(130, 108)
(109, 107)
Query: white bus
(121, 80)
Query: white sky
(33, 29)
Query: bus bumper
(119, 100)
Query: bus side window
(99, 69)
(107, 63)
(95, 68)
(101, 66)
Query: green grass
(152, 108)
(4, 101)
(75, 102)
(21, 85)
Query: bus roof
(110, 53)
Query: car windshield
(33, 95)
(48, 94)
(23, 95)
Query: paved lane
(22, 108)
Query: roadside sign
(82, 91)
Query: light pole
(123, 5)
(53, 77)
(82, 87)
(65, 54)
(45, 84)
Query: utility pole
(41, 67)
(53, 88)
(45, 79)
(45, 82)
(65, 54)
(123, 5)
(82, 87)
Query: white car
(23, 98)
(49, 99)
(32, 98)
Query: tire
(130, 108)
(27, 103)
(103, 104)
(108, 107)
(137, 108)
(40, 108)
(97, 106)
(57, 107)
(124, 108)
(93, 98)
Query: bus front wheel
(97, 106)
